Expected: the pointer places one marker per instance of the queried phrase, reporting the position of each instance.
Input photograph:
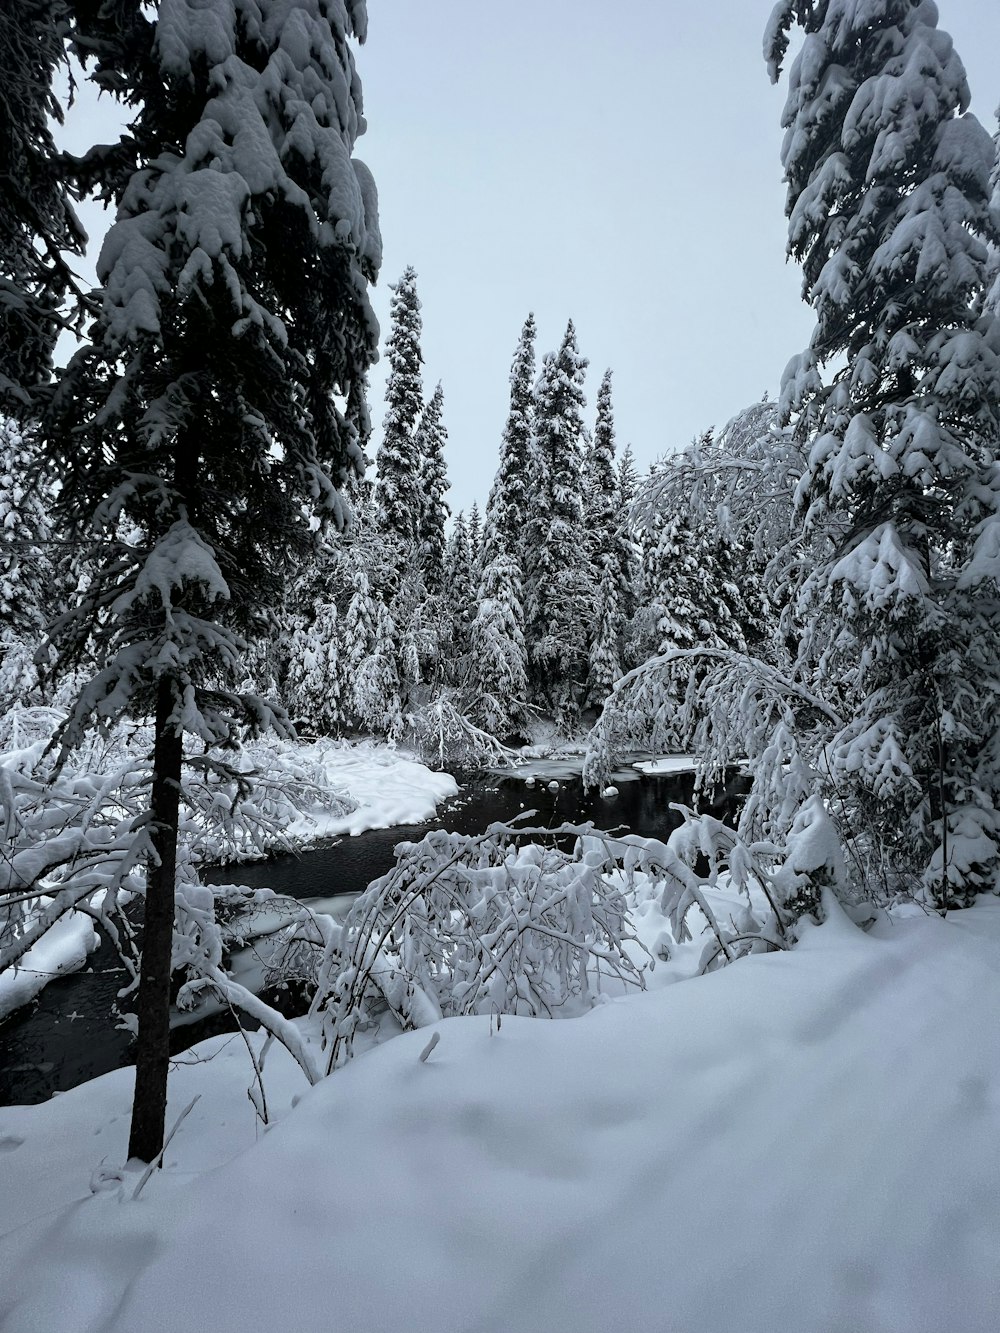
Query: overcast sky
(617, 164)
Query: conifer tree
(37, 221)
(234, 317)
(312, 684)
(556, 575)
(475, 536)
(888, 206)
(510, 500)
(434, 511)
(602, 508)
(398, 491)
(459, 590)
(498, 663)
(628, 481)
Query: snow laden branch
(77, 840)
(537, 921)
(501, 923)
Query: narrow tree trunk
(149, 1105)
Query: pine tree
(27, 572)
(498, 663)
(556, 576)
(628, 481)
(888, 205)
(434, 511)
(475, 536)
(510, 501)
(629, 553)
(311, 686)
(235, 317)
(602, 509)
(37, 221)
(459, 590)
(398, 494)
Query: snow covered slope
(801, 1143)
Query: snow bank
(389, 787)
(666, 763)
(64, 948)
(800, 1143)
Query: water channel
(68, 1034)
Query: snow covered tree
(398, 492)
(888, 204)
(27, 572)
(234, 319)
(603, 514)
(510, 500)
(37, 221)
(375, 684)
(498, 671)
(311, 685)
(556, 576)
(459, 592)
(434, 511)
(475, 536)
(628, 481)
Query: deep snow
(801, 1143)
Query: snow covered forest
(231, 627)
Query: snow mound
(800, 1143)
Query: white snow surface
(804, 1142)
(667, 763)
(63, 948)
(389, 787)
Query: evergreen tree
(475, 536)
(628, 481)
(27, 573)
(510, 501)
(629, 553)
(556, 576)
(498, 664)
(888, 205)
(37, 221)
(398, 492)
(434, 511)
(602, 508)
(459, 590)
(234, 317)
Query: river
(67, 1035)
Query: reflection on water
(68, 1035)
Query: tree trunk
(149, 1104)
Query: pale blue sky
(614, 163)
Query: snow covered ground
(804, 1142)
(387, 786)
(62, 949)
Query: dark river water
(68, 1034)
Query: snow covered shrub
(441, 731)
(500, 923)
(79, 841)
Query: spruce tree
(398, 494)
(556, 575)
(498, 664)
(234, 319)
(434, 511)
(888, 206)
(459, 592)
(475, 536)
(602, 510)
(37, 221)
(510, 500)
